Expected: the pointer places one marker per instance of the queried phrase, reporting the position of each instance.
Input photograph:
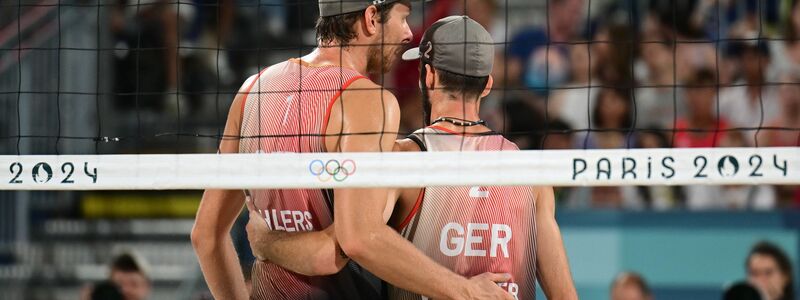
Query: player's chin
(385, 65)
(392, 59)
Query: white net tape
(662, 166)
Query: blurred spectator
(559, 137)
(657, 102)
(523, 124)
(751, 103)
(545, 63)
(146, 61)
(129, 273)
(483, 12)
(613, 55)
(755, 16)
(571, 103)
(789, 116)
(611, 120)
(743, 291)
(657, 197)
(679, 22)
(701, 127)
(106, 290)
(784, 130)
(786, 52)
(630, 286)
(769, 268)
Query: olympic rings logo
(332, 169)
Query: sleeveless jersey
(287, 110)
(472, 230)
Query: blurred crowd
(768, 270)
(769, 276)
(643, 74)
(599, 74)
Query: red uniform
(287, 110)
(472, 230)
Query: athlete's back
(472, 230)
(287, 110)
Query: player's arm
(360, 226)
(311, 253)
(218, 211)
(554, 274)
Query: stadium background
(150, 76)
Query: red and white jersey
(287, 110)
(472, 230)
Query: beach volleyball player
(471, 230)
(476, 229)
(323, 102)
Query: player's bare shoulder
(366, 94)
(234, 122)
(248, 83)
(244, 90)
(405, 145)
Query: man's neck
(453, 106)
(353, 57)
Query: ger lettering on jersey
(472, 230)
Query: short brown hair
(469, 86)
(340, 28)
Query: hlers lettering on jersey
(288, 220)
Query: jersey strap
(418, 140)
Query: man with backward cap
(457, 55)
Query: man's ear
(488, 88)
(430, 77)
(371, 16)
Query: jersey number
(476, 192)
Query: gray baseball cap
(329, 8)
(456, 44)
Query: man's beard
(426, 108)
(379, 62)
(425, 97)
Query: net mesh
(154, 77)
(621, 104)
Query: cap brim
(412, 54)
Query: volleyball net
(112, 95)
